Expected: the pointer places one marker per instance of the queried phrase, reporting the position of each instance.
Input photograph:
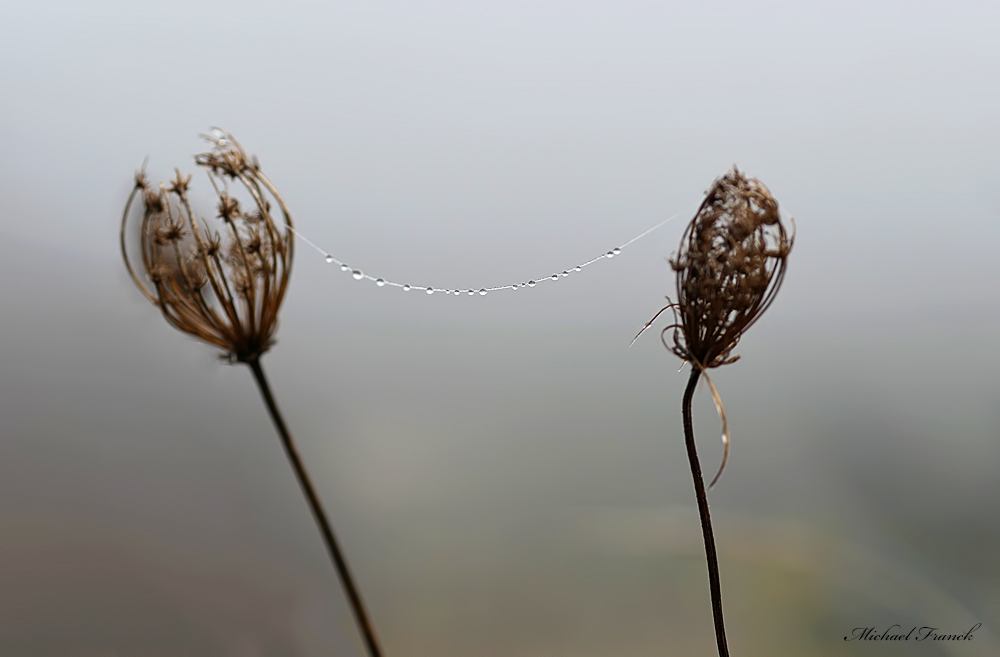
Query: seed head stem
(326, 529)
(706, 521)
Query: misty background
(506, 475)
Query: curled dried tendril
(223, 286)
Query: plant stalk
(706, 520)
(357, 606)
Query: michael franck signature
(895, 633)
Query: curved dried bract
(729, 268)
(224, 286)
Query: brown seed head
(729, 268)
(168, 230)
(152, 198)
(226, 157)
(223, 287)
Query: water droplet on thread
(329, 258)
(482, 293)
(357, 274)
(554, 277)
(565, 274)
(407, 288)
(531, 283)
(609, 254)
(380, 282)
(471, 292)
(344, 268)
(515, 286)
(430, 290)
(577, 268)
(616, 251)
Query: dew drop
(407, 288)
(514, 286)
(380, 282)
(329, 258)
(609, 254)
(577, 268)
(344, 268)
(616, 251)
(554, 277)
(357, 274)
(531, 283)
(471, 292)
(482, 293)
(565, 274)
(430, 290)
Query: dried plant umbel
(225, 286)
(730, 265)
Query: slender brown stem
(706, 520)
(357, 606)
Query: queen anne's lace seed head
(226, 286)
(729, 268)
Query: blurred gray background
(507, 476)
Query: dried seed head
(226, 157)
(153, 198)
(168, 230)
(223, 287)
(179, 185)
(253, 242)
(229, 208)
(729, 268)
(211, 245)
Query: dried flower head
(224, 286)
(729, 268)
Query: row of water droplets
(221, 138)
(359, 275)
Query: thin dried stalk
(316, 506)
